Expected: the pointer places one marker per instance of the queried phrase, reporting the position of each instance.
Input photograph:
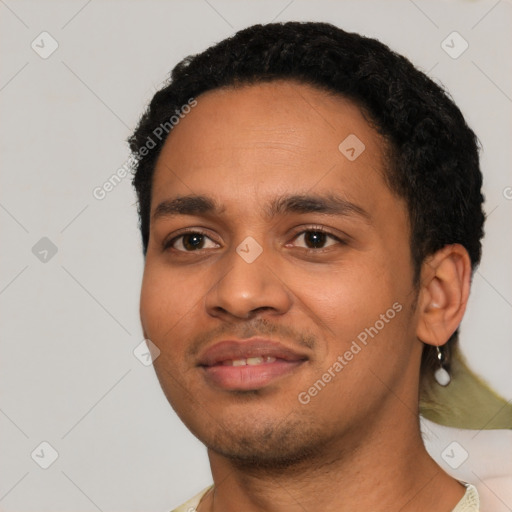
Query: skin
(356, 445)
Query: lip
(248, 377)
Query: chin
(264, 445)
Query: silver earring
(441, 374)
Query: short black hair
(433, 155)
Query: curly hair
(433, 156)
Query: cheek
(362, 303)
(346, 297)
(168, 307)
(165, 303)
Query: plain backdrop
(71, 264)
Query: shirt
(470, 502)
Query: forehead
(275, 137)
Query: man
(311, 214)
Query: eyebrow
(203, 205)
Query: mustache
(259, 327)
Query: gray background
(70, 322)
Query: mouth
(248, 365)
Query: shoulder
(470, 502)
(192, 503)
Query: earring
(441, 374)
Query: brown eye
(316, 239)
(193, 241)
(190, 242)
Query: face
(278, 281)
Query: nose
(245, 288)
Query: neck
(382, 469)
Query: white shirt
(469, 502)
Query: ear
(443, 296)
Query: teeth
(254, 360)
(250, 361)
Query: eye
(316, 239)
(190, 242)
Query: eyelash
(313, 229)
